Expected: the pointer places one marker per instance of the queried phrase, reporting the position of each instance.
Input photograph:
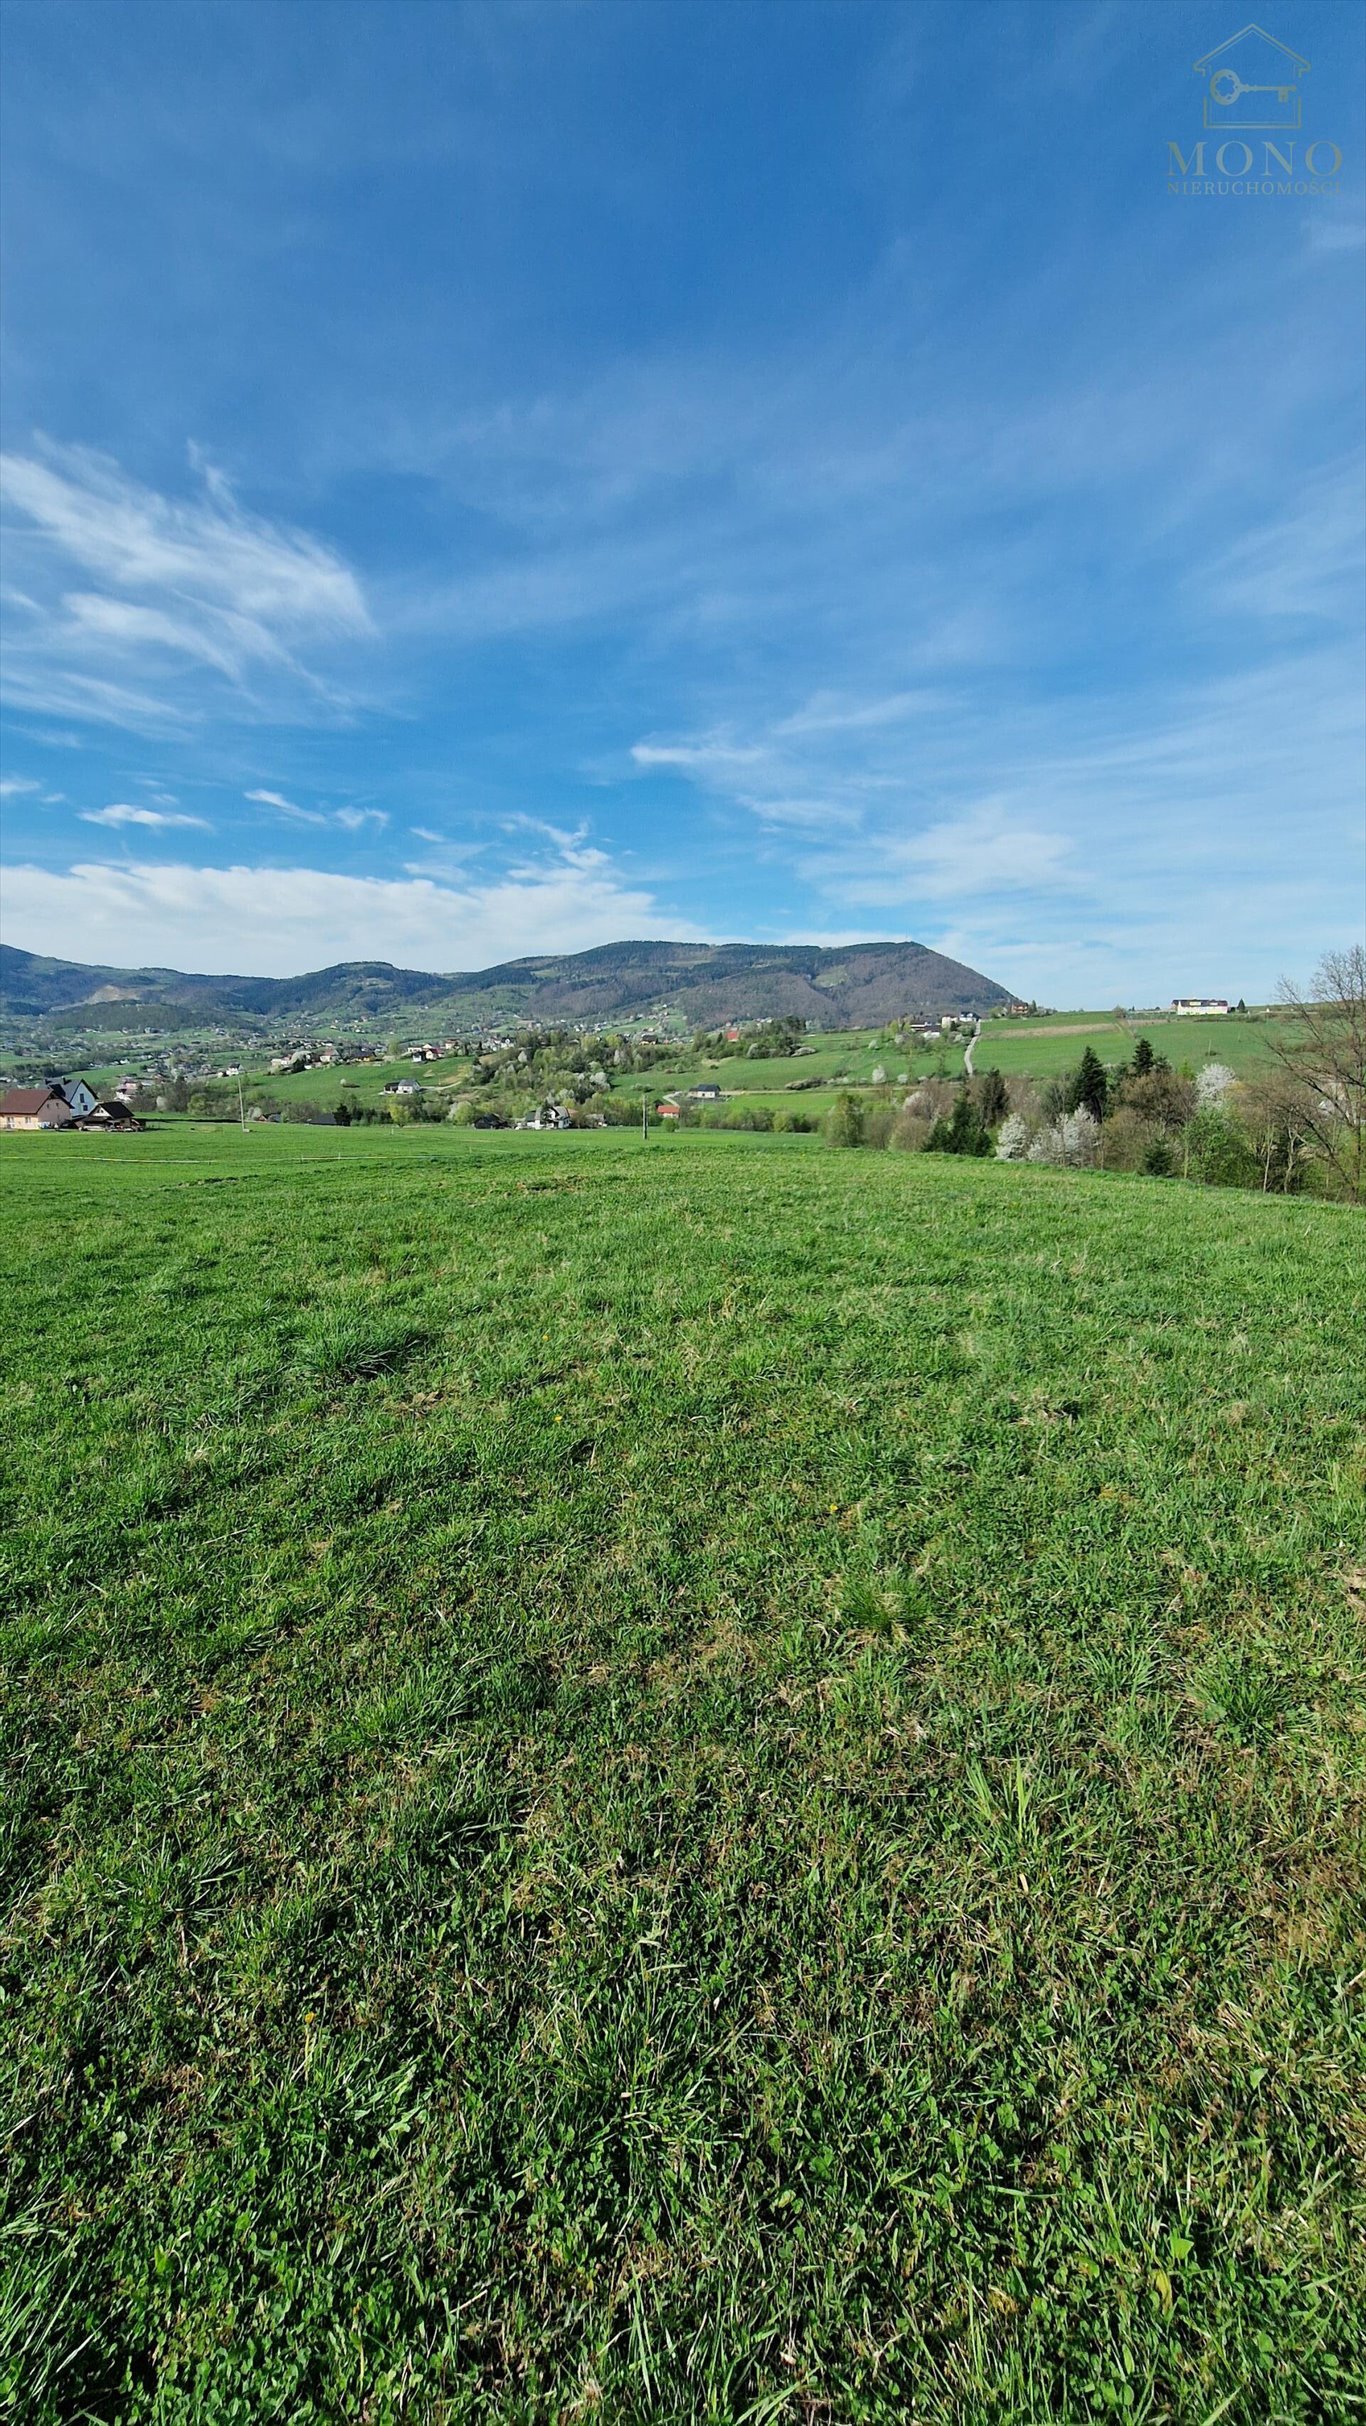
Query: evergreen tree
(993, 1100)
(1089, 1090)
(963, 1133)
(1143, 1058)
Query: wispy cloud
(170, 591)
(987, 851)
(696, 757)
(832, 712)
(127, 813)
(288, 808)
(1306, 559)
(352, 821)
(13, 786)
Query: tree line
(1296, 1124)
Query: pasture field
(703, 1781)
(1019, 1048)
(349, 1082)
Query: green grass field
(1045, 1049)
(705, 1781)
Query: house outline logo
(1253, 81)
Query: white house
(1200, 1006)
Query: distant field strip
(707, 1780)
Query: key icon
(1226, 84)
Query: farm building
(1200, 1006)
(114, 1114)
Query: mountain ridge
(830, 985)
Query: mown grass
(712, 1781)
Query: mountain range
(847, 986)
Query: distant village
(591, 1059)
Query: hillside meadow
(1039, 1049)
(694, 1781)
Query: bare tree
(1270, 1110)
(1324, 1058)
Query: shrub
(1070, 1142)
(910, 1131)
(844, 1122)
(1126, 1138)
(1219, 1152)
(1012, 1144)
(1163, 1097)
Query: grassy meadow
(697, 1781)
(1024, 1048)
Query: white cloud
(818, 814)
(831, 712)
(13, 785)
(696, 757)
(278, 921)
(986, 851)
(124, 813)
(426, 834)
(353, 821)
(288, 808)
(171, 592)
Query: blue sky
(495, 478)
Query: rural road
(969, 1049)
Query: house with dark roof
(114, 1114)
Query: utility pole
(644, 1118)
(241, 1102)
